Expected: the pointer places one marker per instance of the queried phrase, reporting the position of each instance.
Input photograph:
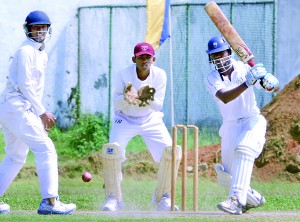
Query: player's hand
(48, 120)
(256, 72)
(270, 83)
(130, 94)
(145, 95)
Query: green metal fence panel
(107, 35)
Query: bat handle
(251, 62)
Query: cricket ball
(86, 176)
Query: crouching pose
(243, 129)
(139, 91)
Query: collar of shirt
(35, 45)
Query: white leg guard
(242, 167)
(253, 197)
(111, 159)
(223, 178)
(165, 171)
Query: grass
(23, 197)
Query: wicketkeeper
(139, 91)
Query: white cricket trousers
(154, 132)
(23, 130)
(246, 135)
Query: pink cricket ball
(86, 176)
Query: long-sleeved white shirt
(27, 75)
(241, 107)
(156, 79)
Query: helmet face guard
(37, 18)
(221, 65)
(38, 36)
(215, 45)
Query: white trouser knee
(9, 169)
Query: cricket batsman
(243, 130)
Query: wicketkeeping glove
(270, 83)
(256, 72)
(130, 94)
(145, 95)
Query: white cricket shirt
(156, 79)
(245, 104)
(27, 75)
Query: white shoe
(250, 206)
(232, 206)
(112, 204)
(58, 208)
(4, 208)
(165, 204)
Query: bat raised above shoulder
(229, 33)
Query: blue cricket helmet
(37, 18)
(217, 44)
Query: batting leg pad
(242, 167)
(223, 178)
(111, 160)
(253, 197)
(165, 171)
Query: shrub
(88, 135)
(295, 131)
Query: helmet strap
(42, 47)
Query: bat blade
(229, 33)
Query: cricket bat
(236, 42)
(229, 33)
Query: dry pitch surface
(185, 216)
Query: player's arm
(25, 83)
(255, 73)
(226, 95)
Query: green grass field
(23, 197)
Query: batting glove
(256, 72)
(270, 83)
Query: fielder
(243, 129)
(139, 91)
(25, 121)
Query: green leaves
(88, 135)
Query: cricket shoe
(4, 208)
(232, 206)
(250, 206)
(165, 204)
(58, 208)
(112, 204)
